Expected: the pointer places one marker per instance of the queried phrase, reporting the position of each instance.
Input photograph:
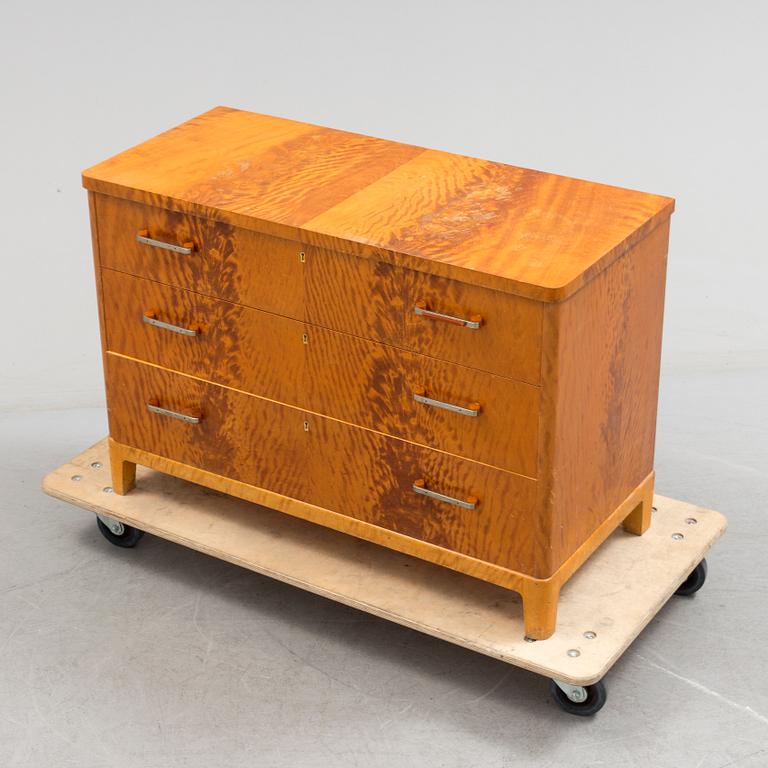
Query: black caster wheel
(695, 581)
(119, 534)
(581, 700)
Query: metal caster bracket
(576, 693)
(114, 525)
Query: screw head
(577, 695)
(96, 465)
(573, 652)
(655, 509)
(108, 489)
(590, 635)
(691, 520)
(77, 478)
(678, 536)
(114, 525)
(529, 639)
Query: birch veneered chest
(450, 357)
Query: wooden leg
(540, 608)
(639, 519)
(123, 472)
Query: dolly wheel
(695, 581)
(117, 533)
(581, 700)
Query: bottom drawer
(328, 463)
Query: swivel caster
(695, 581)
(581, 700)
(117, 533)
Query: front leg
(540, 600)
(123, 472)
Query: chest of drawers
(454, 358)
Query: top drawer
(338, 291)
(473, 326)
(445, 319)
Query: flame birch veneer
(450, 357)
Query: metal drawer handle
(152, 407)
(419, 486)
(474, 322)
(420, 396)
(150, 319)
(143, 237)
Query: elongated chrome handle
(188, 418)
(150, 319)
(419, 486)
(420, 396)
(473, 322)
(143, 237)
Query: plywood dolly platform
(602, 608)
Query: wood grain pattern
(600, 392)
(228, 262)
(360, 296)
(352, 471)
(239, 265)
(311, 249)
(363, 297)
(327, 372)
(508, 341)
(97, 273)
(512, 229)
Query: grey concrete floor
(161, 656)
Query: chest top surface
(525, 232)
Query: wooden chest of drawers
(450, 357)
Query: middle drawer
(446, 406)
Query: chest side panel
(600, 400)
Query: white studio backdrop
(662, 97)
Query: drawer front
(456, 409)
(360, 296)
(352, 471)
(473, 326)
